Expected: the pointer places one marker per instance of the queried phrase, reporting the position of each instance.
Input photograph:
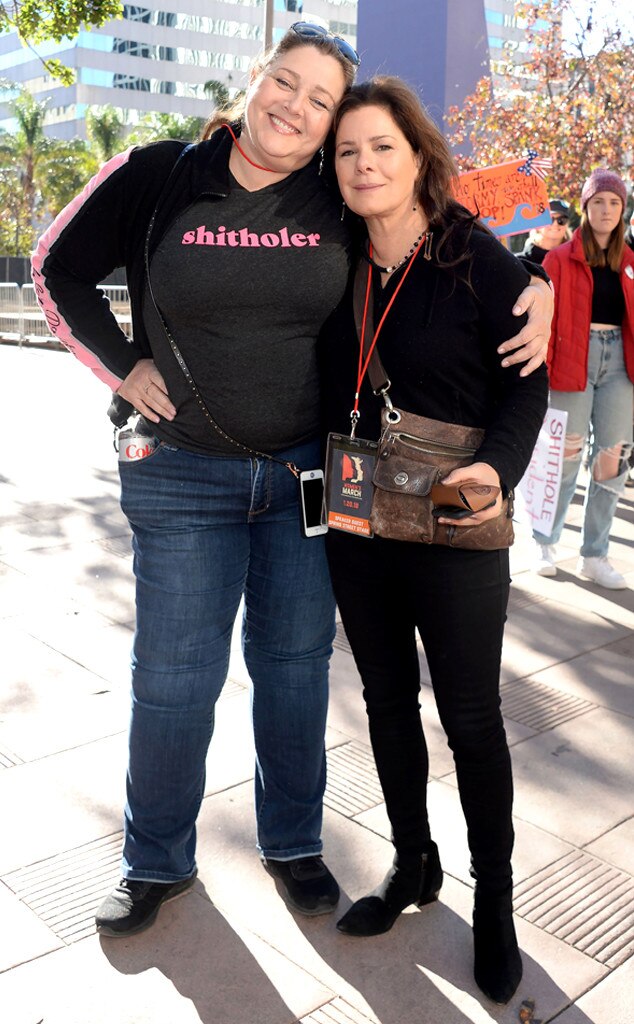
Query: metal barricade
(10, 312)
(22, 320)
(119, 300)
(34, 326)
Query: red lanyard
(363, 365)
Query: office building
(162, 56)
(443, 47)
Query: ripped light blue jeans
(602, 415)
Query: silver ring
(147, 386)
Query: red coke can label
(133, 447)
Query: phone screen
(312, 501)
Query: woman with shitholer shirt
(542, 240)
(440, 287)
(591, 365)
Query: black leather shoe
(497, 966)
(410, 880)
(307, 884)
(133, 906)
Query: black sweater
(438, 346)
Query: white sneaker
(544, 564)
(601, 572)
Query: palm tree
(20, 154)
(217, 91)
(153, 127)
(106, 128)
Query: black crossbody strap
(179, 356)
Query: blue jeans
(207, 531)
(603, 414)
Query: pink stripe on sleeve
(58, 326)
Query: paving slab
(82, 635)
(574, 781)
(62, 801)
(192, 967)
(603, 676)
(609, 1002)
(85, 572)
(49, 703)
(23, 936)
(530, 643)
(616, 846)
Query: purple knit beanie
(603, 180)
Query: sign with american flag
(510, 198)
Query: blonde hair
(289, 41)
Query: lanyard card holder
(349, 488)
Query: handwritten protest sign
(509, 202)
(540, 484)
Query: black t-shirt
(244, 284)
(608, 301)
(438, 347)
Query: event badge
(349, 467)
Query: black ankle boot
(497, 966)
(410, 880)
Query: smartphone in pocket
(311, 490)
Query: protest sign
(508, 200)
(540, 484)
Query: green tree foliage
(63, 172)
(217, 92)
(36, 21)
(154, 127)
(20, 155)
(106, 130)
(38, 176)
(572, 101)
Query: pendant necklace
(427, 235)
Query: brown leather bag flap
(400, 474)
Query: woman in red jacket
(591, 364)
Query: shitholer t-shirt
(244, 284)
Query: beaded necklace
(426, 235)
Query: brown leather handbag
(415, 453)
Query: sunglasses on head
(559, 220)
(307, 30)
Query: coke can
(135, 441)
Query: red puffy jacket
(569, 339)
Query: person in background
(591, 364)
(214, 510)
(542, 240)
(441, 287)
(629, 240)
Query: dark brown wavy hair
(593, 252)
(438, 172)
(289, 41)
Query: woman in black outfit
(438, 346)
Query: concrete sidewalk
(229, 951)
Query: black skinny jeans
(457, 600)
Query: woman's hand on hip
(538, 301)
(479, 474)
(145, 389)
